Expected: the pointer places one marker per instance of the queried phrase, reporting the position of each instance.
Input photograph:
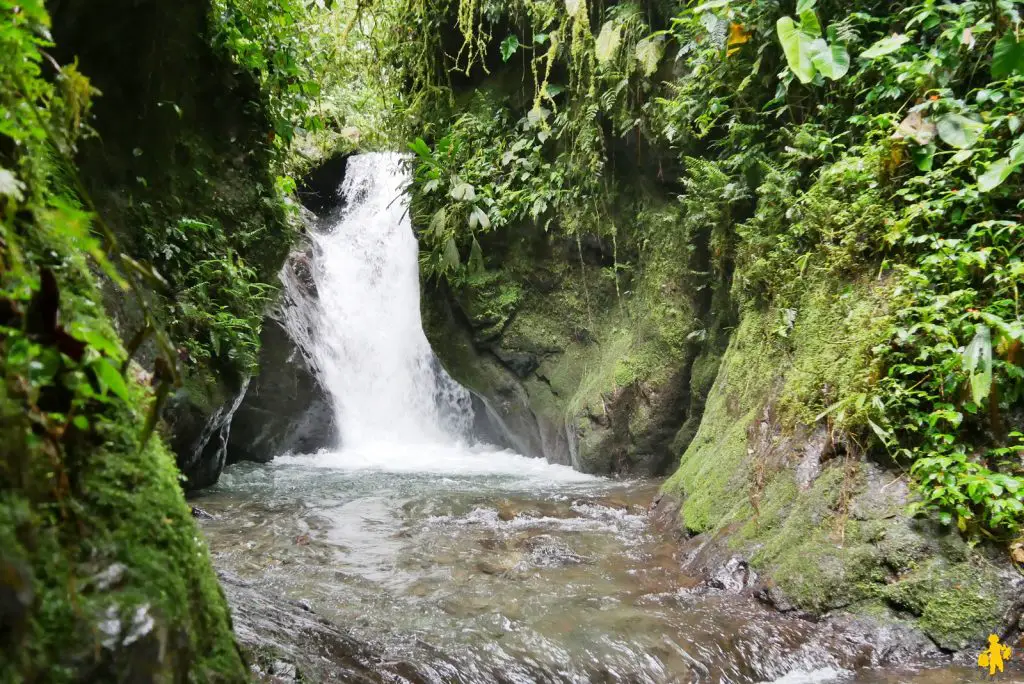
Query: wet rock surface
(285, 408)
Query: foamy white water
(396, 408)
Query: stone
(285, 408)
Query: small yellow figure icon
(993, 656)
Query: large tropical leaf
(1008, 57)
(607, 44)
(958, 131)
(833, 61)
(648, 54)
(795, 45)
(885, 46)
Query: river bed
(457, 565)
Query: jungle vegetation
(810, 139)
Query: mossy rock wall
(580, 371)
(181, 135)
(768, 480)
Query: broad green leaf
(463, 191)
(478, 219)
(997, 172)
(883, 435)
(648, 54)
(805, 6)
(573, 7)
(958, 131)
(1008, 57)
(110, 378)
(420, 148)
(924, 157)
(809, 24)
(833, 61)
(509, 47)
(450, 260)
(713, 4)
(438, 221)
(795, 46)
(885, 46)
(977, 361)
(608, 41)
(476, 258)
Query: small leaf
(478, 219)
(476, 258)
(450, 260)
(110, 378)
(958, 131)
(924, 157)
(438, 221)
(1008, 57)
(463, 191)
(885, 46)
(977, 361)
(509, 47)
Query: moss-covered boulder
(580, 370)
(768, 480)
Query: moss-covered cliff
(667, 235)
(134, 142)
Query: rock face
(578, 371)
(767, 485)
(200, 437)
(285, 409)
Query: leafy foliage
(77, 418)
(899, 162)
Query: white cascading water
(395, 407)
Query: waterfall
(362, 331)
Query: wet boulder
(285, 408)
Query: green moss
(956, 604)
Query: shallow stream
(483, 566)
(408, 556)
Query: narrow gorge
(544, 341)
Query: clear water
(505, 571)
(463, 562)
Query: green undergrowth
(106, 576)
(839, 144)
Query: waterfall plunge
(396, 408)
(363, 333)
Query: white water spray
(396, 408)
(364, 333)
